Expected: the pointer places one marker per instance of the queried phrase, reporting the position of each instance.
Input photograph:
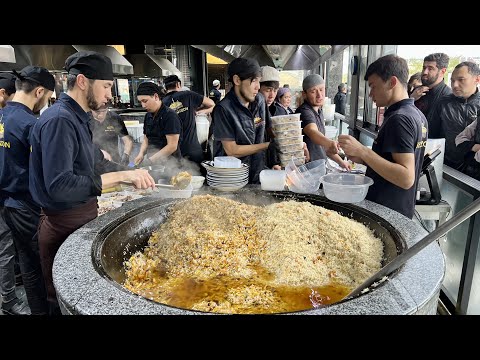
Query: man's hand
(419, 92)
(140, 178)
(476, 148)
(125, 159)
(138, 159)
(351, 146)
(332, 149)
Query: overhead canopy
(51, 57)
(153, 66)
(121, 66)
(7, 54)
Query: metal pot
(156, 171)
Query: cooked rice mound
(209, 238)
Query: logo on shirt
(424, 131)
(1, 130)
(258, 121)
(178, 107)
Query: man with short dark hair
(187, 104)
(340, 99)
(458, 110)
(63, 179)
(432, 90)
(395, 160)
(239, 118)
(7, 88)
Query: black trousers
(24, 224)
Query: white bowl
(197, 182)
(345, 187)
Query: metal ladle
(380, 276)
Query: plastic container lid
(229, 162)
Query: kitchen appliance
(432, 196)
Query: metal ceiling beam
(215, 51)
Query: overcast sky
(420, 51)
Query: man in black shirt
(214, 94)
(7, 88)
(162, 127)
(340, 99)
(62, 176)
(239, 119)
(432, 90)
(107, 127)
(395, 160)
(187, 104)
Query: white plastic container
(273, 180)
(197, 182)
(202, 125)
(175, 194)
(229, 162)
(346, 188)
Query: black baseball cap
(92, 64)
(7, 82)
(37, 74)
(171, 79)
(245, 68)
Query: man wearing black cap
(187, 104)
(34, 86)
(7, 88)
(162, 127)
(239, 119)
(107, 127)
(63, 180)
(7, 249)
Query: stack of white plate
(226, 179)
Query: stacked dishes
(226, 179)
(289, 139)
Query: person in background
(458, 110)
(11, 304)
(34, 85)
(395, 160)
(7, 88)
(63, 180)
(107, 127)
(432, 90)
(340, 99)
(313, 124)
(162, 127)
(239, 118)
(269, 84)
(187, 104)
(414, 81)
(214, 94)
(469, 140)
(283, 101)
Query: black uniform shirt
(16, 120)
(215, 95)
(166, 122)
(404, 130)
(106, 133)
(245, 126)
(185, 104)
(63, 157)
(308, 115)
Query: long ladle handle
(403, 257)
